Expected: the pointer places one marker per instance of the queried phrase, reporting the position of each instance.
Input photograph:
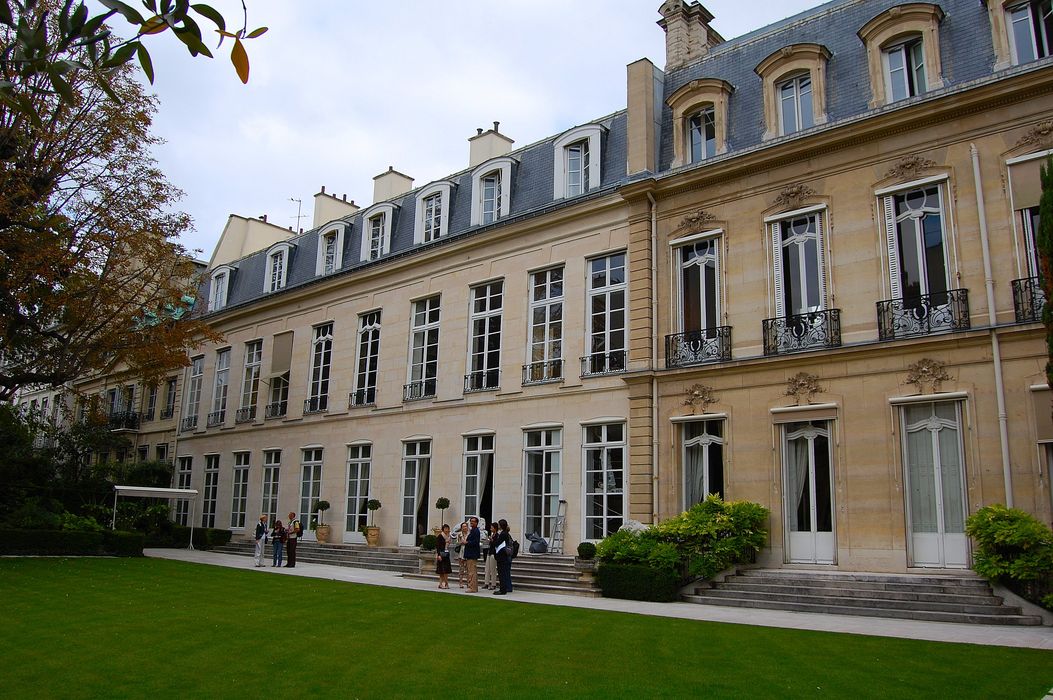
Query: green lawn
(111, 628)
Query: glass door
(808, 497)
(416, 468)
(310, 491)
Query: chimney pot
(345, 197)
(478, 131)
(323, 189)
(263, 218)
(496, 124)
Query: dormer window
(702, 134)
(376, 232)
(576, 166)
(795, 104)
(1030, 26)
(330, 250)
(433, 212)
(905, 69)
(794, 88)
(903, 52)
(490, 191)
(700, 110)
(277, 266)
(219, 288)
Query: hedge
(71, 542)
(638, 582)
(179, 536)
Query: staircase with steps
(917, 597)
(540, 573)
(354, 555)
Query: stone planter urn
(321, 533)
(426, 562)
(372, 535)
(586, 569)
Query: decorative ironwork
(482, 380)
(215, 418)
(700, 396)
(803, 386)
(167, 413)
(124, 420)
(316, 404)
(923, 315)
(808, 331)
(793, 196)
(910, 166)
(148, 415)
(245, 415)
(695, 223)
(698, 347)
(415, 391)
(927, 373)
(362, 397)
(278, 409)
(541, 372)
(1039, 135)
(1028, 299)
(601, 363)
(187, 424)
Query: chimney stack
(390, 184)
(688, 35)
(487, 144)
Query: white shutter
(820, 248)
(776, 247)
(893, 251)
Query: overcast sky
(341, 89)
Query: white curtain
(797, 473)
(695, 464)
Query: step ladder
(556, 546)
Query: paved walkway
(995, 635)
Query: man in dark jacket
(295, 530)
(471, 555)
(261, 539)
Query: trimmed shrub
(123, 544)
(586, 550)
(427, 543)
(51, 542)
(69, 521)
(638, 582)
(1013, 547)
(178, 536)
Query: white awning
(146, 492)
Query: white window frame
(550, 444)
(913, 83)
(184, 479)
(591, 134)
(319, 376)
(689, 127)
(250, 383)
(503, 168)
(210, 492)
(476, 448)
(275, 276)
(367, 362)
(704, 440)
(607, 290)
(195, 374)
(219, 287)
(359, 455)
(1041, 46)
(606, 447)
(774, 228)
(221, 383)
(272, 465)
(716, 236)
(548, 357)
(336, 233)
(312, 460)
(418, 371)
(795, 79)
(444, 191)
(386, 211)
(478, 363)
(890, 224)
(239, 498)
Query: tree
(92, 280)
(1044, 243)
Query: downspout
(654, 357)
(992, 322)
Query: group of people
(469, 545)
(281, 536)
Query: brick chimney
(486, 145)
(688, 35)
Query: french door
(416, 471)
(808, 494)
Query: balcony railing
(807, 331)
(148, 415)
(167, 413)
(599, 363)
(278, 409)
(316, 404)
(362, 397)
(698, 347)
(482, 380)
(415, 391)
(124, 420)
(1028, 299)
(216, 418)
(187, 424)
(923, 315)
(245, 415)
(542, 372)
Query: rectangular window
(208, 498)
(917, 248)
(193, 394)
(183, 480)
(359, 462)
(416, 475)
(905, 64)
(321, 361)
(240, 498)
(143, 453)
(542, 455)
(577, 159)
(277, 270)
(702, 134)
(491, 197)
(424, 350)
(170, 398)
(376, 237)
(800, 279)
(310, 483)
(329, 253)
(795, 104)
(1029, 222)
(604, 479)
(606, 303)
(432, 217)
(365, 393)
(272, 465)
(151, 403)
(250, 383)
(478, 476)
(702, 445)
(278, 405)
(219, 390)
(546, 327)
(219, 292)
(161, 452)
(484, 348)
(699, 264)
(1030, 27)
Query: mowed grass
(114, 628)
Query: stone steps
(967, 599)
(351, 555)
(542, 573)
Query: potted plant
(372, 531)
(426, 555)
(585, 562)
(321, 530)
(442, 504)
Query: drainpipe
(992, 322)
(653, 206)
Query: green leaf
(240, 59)
(210, 13)
(145, 62)
(151, 5)
(193, 42)
(5, 14)
(62, 87)
(127, 11)
(120, 56)
(80, 18)
(257, 32)
(154, 25)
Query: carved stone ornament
(803, 386)
(927, 375)
(695, 223)
(792, 196)
(910, 167)
(700, 396)
(1038, 135)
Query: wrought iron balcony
(245, 415)
(415, 391)
(482, 380)
(124, 420)
(187, 424)
(277, 409)
(316, 404)
(542, 372)
(600, 363)
(698, 347)
(923, 315)
(167, 413)
(215, 418)
(1028, 299)
(148, 415)
(362, 397)
(799, 332)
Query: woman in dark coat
(443, 565)
(504, 557)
